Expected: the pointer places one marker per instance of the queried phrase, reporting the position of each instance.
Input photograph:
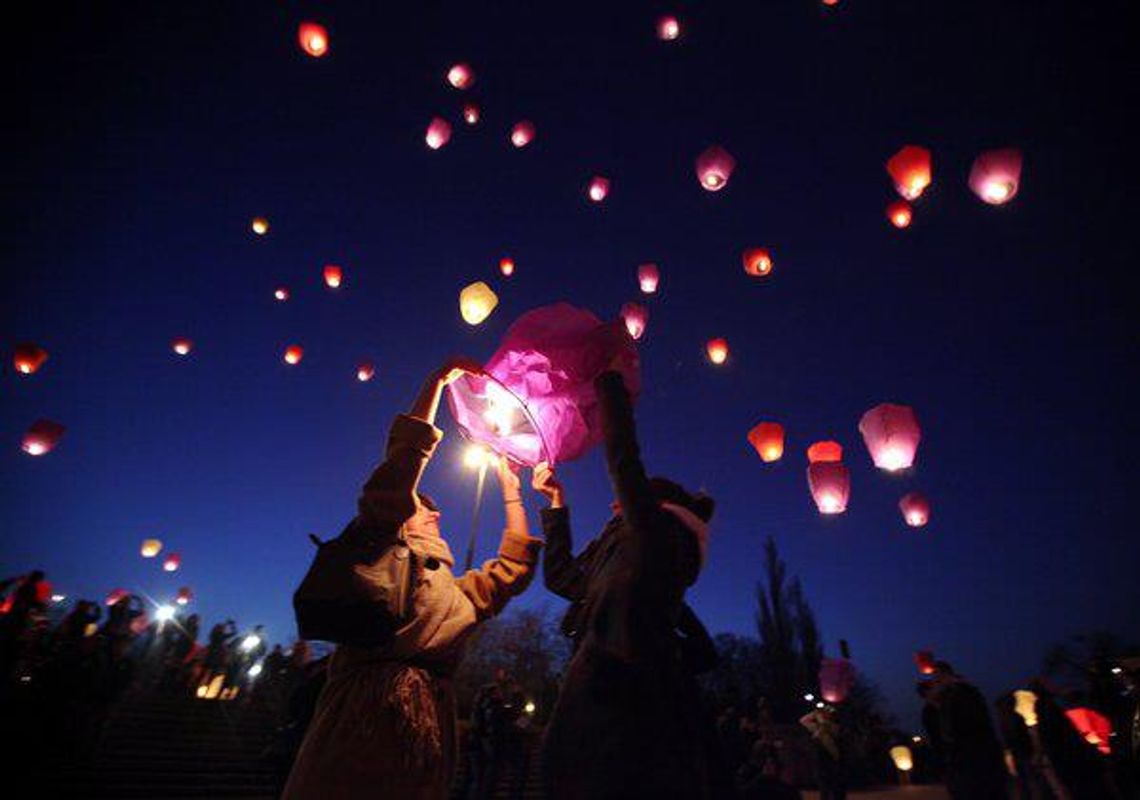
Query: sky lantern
(281, 294)
(830, 485)
(42, 437)
(293, 354)
(825, 452)
(115, 595)
(909, 168)
(313, 38)
(717, 350)
(1093, 726)
(476, 302)
(522, 133)
(471, 113)
(507, 267)
(648, 277)
(184, 596)
(260, 226)
(996, 175)
(757, 261)
(768, 439)
(904, 760)
(714, 168)
(915, 509)
(28, 358)
(1025, 706)
(461, 76)
(182, 346)
(636, 317)
(924, 660)
(668, 28)
(150, 548)
(891, 433)
(365, 371)
(900, 213)
(334, 275)
(836, 677)
(598, 189)
(438, 133)
(172, 562)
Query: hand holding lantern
(546, 483)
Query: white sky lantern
(996, 175)
(904, 761)
(891, 433)
(476, 302)
(172, 562)
(255, 670)
(438, 133)
(250, 642)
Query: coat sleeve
(498, 580)
(389, 495)
(561, 572)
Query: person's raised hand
(457, 366)
(545, 482)
(509, 479)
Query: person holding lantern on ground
(385, 722)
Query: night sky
(142, 138)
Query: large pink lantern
(891, 433)
(538, 402)
(522, 133)
(636, 317)
(438, 133)
(996, 175)
(915, 509)
(836, 677)
(714, 168)
(830, 485)
(648, 277)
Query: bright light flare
(250, 642)
(476, 457)
(164, 613)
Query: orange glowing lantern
(334, 275)
(915, 509)
(891, 433)
(768, 439)
(260, 226)
(42, 437)
(507, 267)
(281, 294)
(910, 169)
(717, 350)
(1093, 726)
(184, 596)
(461, 76)
(438, 133)
(293, 354)
(830, 485)
(900, 214)
(28, 358)
(365, 371)
(172, 562)
(904, 760)
(825, 452)
(182, 346)
(757, 261)
(313, 38)
(115, 595)
(714, 168)
(924, 660)
(471, 114)
(648, 276)
(476, 302)
(150, 548)
(668, 28)
(995, 175)
(636, 317)
(599, 188)
(522, 133)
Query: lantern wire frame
(473, 394)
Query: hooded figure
(384, 726)
(628, 720)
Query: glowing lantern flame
(172, 562)
(717, 350)
(293, 354)
(995, 175)
(768, 439)
(507, 266)
(182, 346)
(924, 660)
(757, 261)
(164, 613)
(281, 294)
(476, 456)
(825, 452)
(714, 168)
(334, 275)
(313, 38)
(668, 28)
(1093, 726)
(438, 133)
(150, 548)
(500, 412)
(910, 169)
(42, 437)
(184, 596)
(636, 317)
(476, 302)
(830, 485)
(904, 761)
(648, 276)
(1025, 706)
(599, 188)
(915, 509)
(522, 133)
(461, 76)
(365, 372)
(28, 358)
(891, 433)
(899, 213)
(260, 226)
(471, 114)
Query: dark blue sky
(143, 138)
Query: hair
(668, 491)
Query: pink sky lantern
(171, 563)
(717, 350)
(915, 509)
(668, 28)
(114, 596)
(910, 169)
(996, 175)
(471, 114)
(648, 276)
(824, 452)
(537, 401)
(1093, 726)
(182, 346)
(461, 76)
(830, 485)
(438, 133)
(42, 437)
(293, 354)
(891, 433)
(636, 317)
(281, 294)
(313, 38)
(28, 358)
(365, 371)
(836, 677)
(757, 261)
(598, 189)
(522, 133)
(333, 275)
(185, 595)
(900, 213)
(714, 168)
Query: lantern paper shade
(598, 189)
(648, 276)
(540, 402)
(293, 354)
(891, 433)
(901, 755)
(668, 28)
(522, 133)
(365, 371)
(461, 76)
(768, 439)
(825, 451)
(471, 114)
(42, 437)
(150, 548)
(182, 346)
(507, 267)
(260, 226)
(333, 275)
(172, 562)
(830, 485)
(714, 168)
(910, 169)
(28, 358)
(996, 175)
(281, 294)
(438, 133)
(313, 38)
(636, 317)
(185, 595)
(476, 302)
(1025, 706)
(915, 509)
(1093, 726)
(836, 677)
(757, 262)
(900, 214)
(924, 660)
(717, 350)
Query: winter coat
(975, 766)
(384, 726)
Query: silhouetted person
(1076, 762)
(975, 768)
(828, 746)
